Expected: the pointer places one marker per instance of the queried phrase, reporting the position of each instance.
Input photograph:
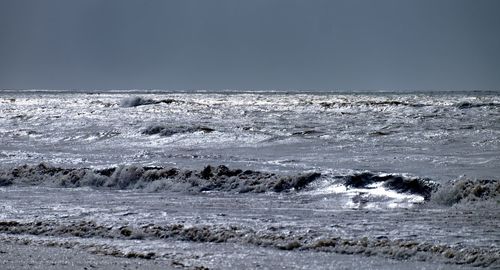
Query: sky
(250, 44)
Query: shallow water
(429, 137)
(269, 221)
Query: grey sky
(250, 44)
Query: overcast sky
(250, 44)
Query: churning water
(404, 176)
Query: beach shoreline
(21, 254)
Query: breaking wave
(468, 191)
(210, 178)
(411, 185)
(223, 179)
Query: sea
(255, 179)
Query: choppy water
(397, 174)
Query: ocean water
(398, 177)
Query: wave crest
(420, 186)
(468, 191)
(222, 178)
(210, 178)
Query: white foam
(375, 196)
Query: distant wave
(371, 103)
(164, 130)
(139, 101)
(468, 105)
(398, 103)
